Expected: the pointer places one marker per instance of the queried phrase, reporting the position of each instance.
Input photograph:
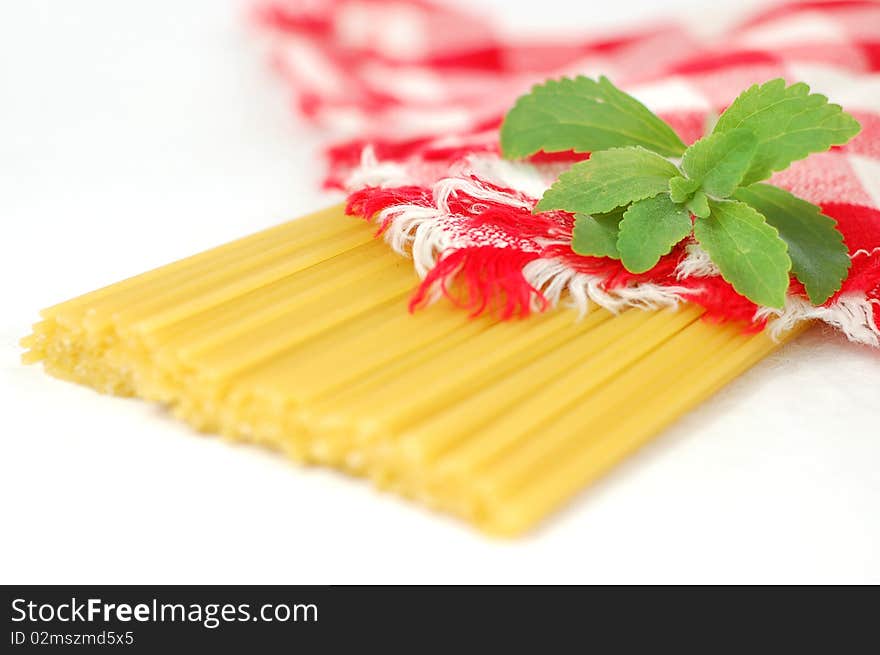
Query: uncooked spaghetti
(299, 338)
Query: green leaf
(583, 115)
(609, 179)
(819, 257)
(749, 252)
(648, 231)
(789, 124)
(681, 189)
(719, 161)
(698, 205)
(596, 236)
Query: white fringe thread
(418, 232)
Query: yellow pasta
(298, 338)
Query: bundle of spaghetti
(299, 338)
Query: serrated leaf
(648, 231)
(698, 205)
(609, 179)
(596, 236)
(789, 123)
(681, 188)
(583, 115)
(819, 256)
(719, 161)
(749, 252)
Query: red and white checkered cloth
(420, 89)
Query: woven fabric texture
(416, 93)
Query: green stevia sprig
(633, 199)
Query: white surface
(132, 134)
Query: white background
(135, 133)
